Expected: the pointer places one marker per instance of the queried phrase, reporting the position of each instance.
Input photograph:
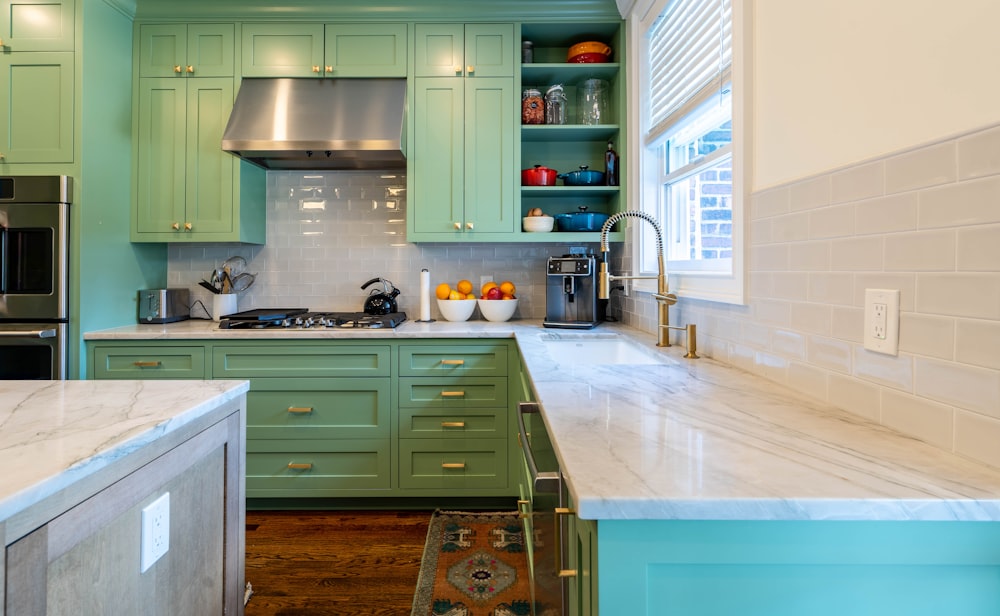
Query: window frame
(725, 287)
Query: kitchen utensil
(380, 302)
(581, 220)
(583, 177)
(242, 282)
(236, 264)
(227, 280)
(589, 47)
(538, 176)
(208, 285)
(537, 224)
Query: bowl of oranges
(456, 303)
(497, 302)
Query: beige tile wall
(924, 221)
(319, 258)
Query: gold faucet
(664, 299)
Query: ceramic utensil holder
(223, 304)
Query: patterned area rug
(474, 564)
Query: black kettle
(380, 302)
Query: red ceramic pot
(538, 176)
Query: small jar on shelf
(532, 107)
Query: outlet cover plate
(882, 321)
(155, 539)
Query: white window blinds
(690, 55)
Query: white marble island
(83, 458)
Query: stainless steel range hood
(319, 123)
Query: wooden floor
(333, 562)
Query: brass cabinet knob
(458, 69)
(187, 226)
(2, 156)
(177, 68)
(470, 69)
(468, 226)
(190, 68)
(458, 225)
(175, 226)
(315, 68)
(1, 43)
(329, 69)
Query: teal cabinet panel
(151, 362)
(316, 468)
(489, 157)
(453, 360)
(179, 50)
(365, 50)
(161, 156)
(464, 50)
(37, 25)
(282, 50)
(452, 465)
(319, 408)
(209, 171)
(489, 50)
(452, 392)
(36, 107)
(291, 360)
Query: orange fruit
(464, 287)
(507, 287)
(455, 295)
(442, 291)
(470, 296)
(489, 285)
(507, 296)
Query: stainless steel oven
(34, 276)
(542, 508)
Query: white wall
(841, 81)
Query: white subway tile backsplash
(833, 221)
(927, 166)
(854, 395)
(920, 251)
(895, 372)
(804, 377)
(906, 283)
(860, 182)
(790, 285)
(811, 318)
(973, 202)
(811, 193)
(770, 203)
(809, 256)
(887, 214)
(847, 324)
(979, 154)
(788, 343)
(927, 421)
(859, 254)
(976, 436)
(921, 334)
(959, 294)
(830, 353)
(790, 227)
(978, 343)
(772, 257)
(831, 288)
(978, 248)
(967, 387)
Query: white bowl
(456, 309)
(497, 309)
(537, 224)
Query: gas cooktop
(301, 318)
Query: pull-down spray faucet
(664, 299)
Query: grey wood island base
(84, 458)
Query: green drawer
(444, 463)
(452, 392)
(159, 362)
(318, 408)
(310, 468)
(441, 423)
(300, 361)
(453, 360)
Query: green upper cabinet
(333, 50)
(469, 50)
(187, 188)
(179, 50)
(36, 107)
(37, 25)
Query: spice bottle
(555, 105)
(611, 166)
(532, 107)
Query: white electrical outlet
(155, 540)
(882, 321)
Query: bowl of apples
(497, 302)
(458, 303)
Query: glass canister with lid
(592, 102)
(555, 105)
(532, 107)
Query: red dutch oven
(538, 176)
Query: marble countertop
(699, 440)
(56, 433)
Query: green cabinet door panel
(489, 50)
(161, 156)
(319, 408)
(445, 424)
(282, 50)
(453, 360)
(312, 468)
(153, 362)
(464, 50)
(452, 392)
(37, 25)
(365, 50)
(291, 360)
(489, 156)
(179, 50)
(209, 170)
(36, 107)
(450, 464)
(438, 160)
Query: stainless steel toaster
(164, 305)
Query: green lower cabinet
(451, 465)
(318, 408)
(158, 361)
(318, 467)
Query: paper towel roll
(425, 295)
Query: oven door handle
(548, 482)
(30, 333)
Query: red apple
(494, 293)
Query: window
(690, 146)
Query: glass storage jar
(532, 107)
(555, 105)
(592, 102)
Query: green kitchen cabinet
(158, 361)
(37, 25)
(330, 50)
(36, 107)
(461, 169)
(463, 50)
(186, 50)
(186, 188)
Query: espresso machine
(571, 293)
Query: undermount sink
(596, 349)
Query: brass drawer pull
(300, 466)
(567, 573)
(452, 394)
(146, 364)
(453, 465)
(453, 362)
(300, 409)
(522, 509)
(452, 424)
